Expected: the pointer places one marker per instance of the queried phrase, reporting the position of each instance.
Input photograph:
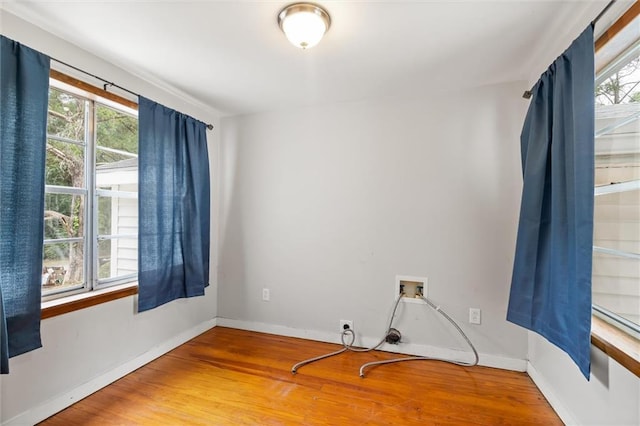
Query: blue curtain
(174, 211)
(24, 89)
(551, 283)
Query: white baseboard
(547, 390)
(486, 360)
(49, 408)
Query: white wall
(610, 397)
(325, 206)
(86, 349)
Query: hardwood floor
(234, 377)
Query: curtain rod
(605, 10)
(108, 83)
(528, 93)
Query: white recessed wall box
(411, 288)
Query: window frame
(93, 287)
(617, 341)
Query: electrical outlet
(474, 315)
(266, 294)
(345, 324)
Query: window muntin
(91, 187)
(616, 257)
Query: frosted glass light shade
(304, 24)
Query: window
(91, 193)
(616, 257)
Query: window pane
(617, 221)
(66, 115)
(117, 139)
(117, 257)
(622, 86)
(104, 215)
(62, 265)
(64, 164)
(117, 216)
(616, 278)
(116, 150)
(615, 285)
(63, 216)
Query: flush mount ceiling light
(304, 24)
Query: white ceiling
(231, 55)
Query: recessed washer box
(412, 288)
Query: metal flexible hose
(425, 358)
(348, 346)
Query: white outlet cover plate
(475, 315)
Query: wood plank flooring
(234, 377)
